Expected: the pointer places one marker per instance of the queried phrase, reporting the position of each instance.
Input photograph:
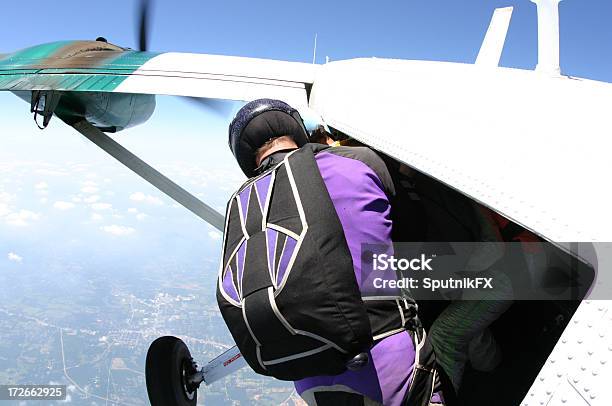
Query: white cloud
(44, 200)
(118, 230)
(77, 199)
(4, 210)
(90, 189)
(51, 172)
(5, 199)
(21, 218)
(141, 197)
(74, 167)
(41, 185)
(96, 217)
(60, 205)
(91, 199)
(139, 216)
(14, 257)
(101, 206)
(215, 235)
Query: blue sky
(444, 30)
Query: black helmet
(259, 121)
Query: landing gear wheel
(168, 366)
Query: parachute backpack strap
(424, 374)
(268, 197)
(390, 315)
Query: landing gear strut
(172, 376)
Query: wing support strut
(150, 174)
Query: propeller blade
(143, 24)
(223, 108)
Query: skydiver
(360, 186)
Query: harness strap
(391, 315)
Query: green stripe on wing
(25, 56)
(70, 66)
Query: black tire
(168, 359)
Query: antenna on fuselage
(548, 37)
(314, 51)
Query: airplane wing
(89, 66)
(86, 68)
(532, 147)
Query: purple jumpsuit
(359, 185)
